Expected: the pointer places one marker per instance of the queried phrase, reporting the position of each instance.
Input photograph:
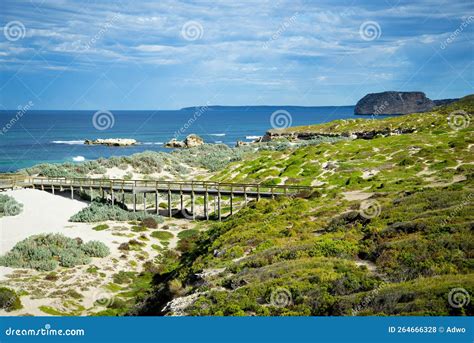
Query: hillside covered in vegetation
(389, 230)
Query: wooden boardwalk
(115, 189)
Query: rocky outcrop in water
(394, 103)
(190, 141)
(111, 141)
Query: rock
(178, 306)
(330, 165)
(393, 103)
(174, 143)
(218, 253)
(209, 273)
(111, 142)
(190, 141)
(241, 143)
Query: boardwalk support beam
(170, 214)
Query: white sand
(47, 213)
(44, 213)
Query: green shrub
(100, 227)
(150, 222)
(9, 206)
(47, 251)
(123, 277)
(9, 300)
(163, 235)
(188, 233)
(139, 228)
(97, 212)
(95, 249)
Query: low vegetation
(98, 212)
(9, 300)
(47, 251)
(9, 206)
(162, 235)
(389, 233)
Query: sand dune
(42, 213)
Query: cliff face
(394, 103)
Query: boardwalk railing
(112, 187)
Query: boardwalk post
(91, 193)
(206, 200)
(192, 205)
(157, 203)
(52, 189)
(258, 192)
(181, 195)
(170, 214)
(123, 198)
(144, 202)
(134, 196)
(219, 204)
(245, 195)
(231, 200)
(112, 196)
(72, 193)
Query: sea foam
(73, 142)
(253, 137)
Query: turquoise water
(57, 136)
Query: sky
(76, 55)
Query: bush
(138, 228)
(100, 227)
(98, 212)
(188, 233)
(95, 249)
(9, 206)
(52, 277)
(46, 251)
(123, 277)
(163, 235)
(9, 300)
(150, 222)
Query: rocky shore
(272, 135)
(111, 142)
(190, 141)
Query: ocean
(38, 136)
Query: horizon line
(175, 109)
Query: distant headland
(397, 102)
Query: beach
(44, 212)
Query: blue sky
(63, 54)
